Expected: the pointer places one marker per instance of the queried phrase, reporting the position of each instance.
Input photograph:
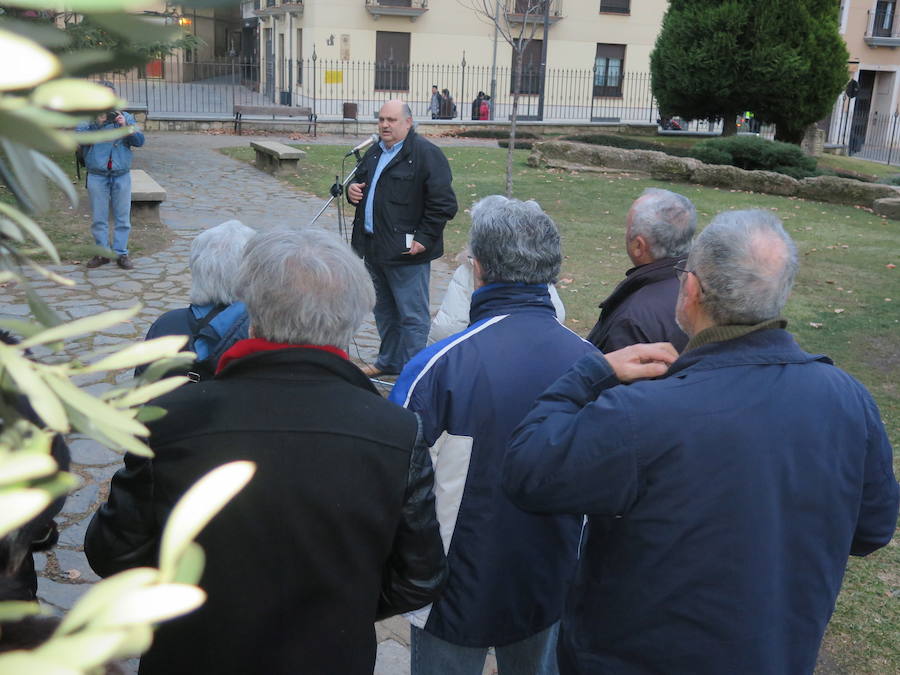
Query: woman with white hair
(215, 319)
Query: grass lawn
(845, 304)
(69, 228)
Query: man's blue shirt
(387, 154)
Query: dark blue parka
(724, 500)
(509, 569)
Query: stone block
(844, 191)
(888, 207)
(768, 182)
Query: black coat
(337, 527)
(640, 310)
(413, 196)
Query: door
(859, 125)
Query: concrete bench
(146, 196)
(274, 111)
(276, 158)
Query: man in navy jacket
(508, 568)
(723, 499)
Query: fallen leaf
(838, 311)
(890, 266)
(815, 325)
(565, 281)
(73, 574)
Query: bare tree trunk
(729, 124)
(512, 127)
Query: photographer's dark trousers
(106, 192)
(401, 312)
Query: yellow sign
(334, 77)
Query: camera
(111, 116)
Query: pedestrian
(435, 105)
(508, 568)
(658, 231)
(485, 109)
(724, 497)
(448, 106)
(336, 530)
(108, 166)
(476, 106)
(403, 198)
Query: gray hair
(304, 286)
(746, 264)
(666, 220)
(215, 255)
(514, 241)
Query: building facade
(362, 51)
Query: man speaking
(403, 199)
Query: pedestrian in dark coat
(658, 232)
(337, 528)
(723, 498)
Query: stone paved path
(204, 188)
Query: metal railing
(883, 24)
(864, 133)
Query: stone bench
(146, 196)
(274, 111)
(276, 158)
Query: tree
(40, 104)
(518, 28)
(786, 62)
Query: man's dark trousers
(401, 312)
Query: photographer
(109, 184)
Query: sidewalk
(204, 188)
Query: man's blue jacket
(99, 156)
(509, 569)
(723, 502)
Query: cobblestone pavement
(204, 188)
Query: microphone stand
(337, 189)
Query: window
(391, 61)
(884, 19)
(609, 66)
(531, 7)
(616, 6)
(531, 69)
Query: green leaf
(24, 466)
(139, 353)
(21, 160)
(102, 594)
(32, 228)
(137, 641)
(28, 131)
(56, 176)
(190, 566)
(70, 94)
(34, 388)
(44, 35)
(84, 650)
(151, 413)
(8, 229)
(89, 324)
(19, 506)
(20, 661)
(102, 415)
(13, 611)
(21, 327)
(149, 392)
(87, 61)
(50, 274)
(196, 508)
(136, 29)
(108, 436)
(41, 310)
(150, 605)
(33, 63)
(101, 136)
(159, 368)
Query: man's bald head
(746, 264)
(394, 122)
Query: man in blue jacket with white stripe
(724, 498)
(508, 569)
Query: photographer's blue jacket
(723, 502)
(508, 569)
(98, 158)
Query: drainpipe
(493, 105)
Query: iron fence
(864, 133)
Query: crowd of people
(678, 493)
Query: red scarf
(243, 348)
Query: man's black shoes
(96, 261)
(124, 262)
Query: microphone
(365, 144)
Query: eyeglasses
(681, 269)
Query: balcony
(409, 8)
(532, 11)
(271, 9)
(882, 29)
(615, 6)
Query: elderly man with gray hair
(658, 232)
(337, 528)
(508, 568)
(728, 494)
